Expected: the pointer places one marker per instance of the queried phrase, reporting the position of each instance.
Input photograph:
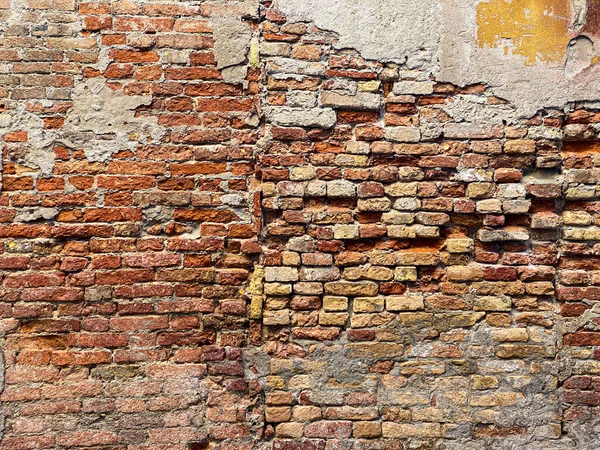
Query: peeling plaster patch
(475, 109)
(539, 70)
(377, 29)
(580, 56)
(529, 88)
(313, 117)
(32, 214)
(102, 121)
(37, 153)
(232, 39)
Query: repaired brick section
(315, 257)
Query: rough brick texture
(218, 230)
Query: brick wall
(221, 231)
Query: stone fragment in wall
(347, 288)
(402, 231)
(374, 204)
(368, 304)
(459, 245)
(492, 303)
(374, 350)
(345, 160)
(480, 190)
(33, 214)
(278, 289)
(345, 232)
(510, 288)
(539, 288)
(464, 273)
(357, 148)
(402, 134)
(303, 244)
(407, 204)
(581, 218)
(516, 206)
(275, 49)
(333, 319)
(580, 193)
(404, 303)
(359, 101)
(417, 258)
(307, 288)
(431, 218)
(519, 146)
(401, 189)
(319, 274)
(410, 174)
(335, 303)
(427, 232)
(405, 274)
(370, 189)
(501, 235)
(276, 317)
(303, 173)
(397, 218)
(411, 431)
(316, 188)
(445, 322)
(290, 189)
(413, 87)
(584, 176)
(544, 190)
(341, 188)
(472, 131)
(314, 117)
(511, 190)
(524, 351)
(510, 335)
(281, 274)
(489, 206)
(546, 220)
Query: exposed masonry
(224, 229)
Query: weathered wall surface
(299, 226)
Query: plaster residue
(534, 53)
(37, 153)
(103, 121)
(399, 30)
(232, 38)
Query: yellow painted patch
(537, 30)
